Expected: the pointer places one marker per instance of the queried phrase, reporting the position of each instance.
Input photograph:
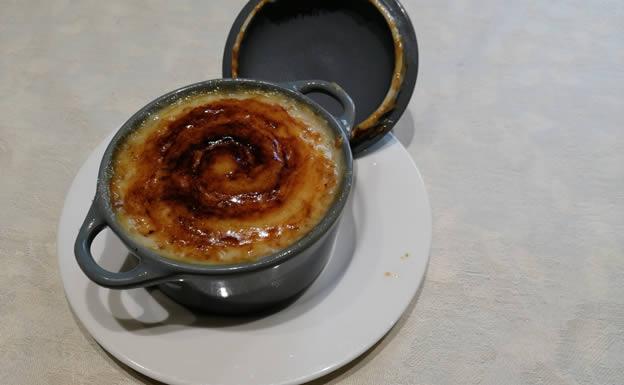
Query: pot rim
(176, 267)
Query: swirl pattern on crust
(225, 179)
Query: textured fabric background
(517, 125)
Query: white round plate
(376, 267)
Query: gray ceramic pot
(237, 288)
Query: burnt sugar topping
(225, 178)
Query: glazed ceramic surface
(367, 46)
(236, 288)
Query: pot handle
(347, 118)
(141, 275)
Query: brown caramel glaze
(224, 182)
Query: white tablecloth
(517, 125)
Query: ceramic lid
(366, 46)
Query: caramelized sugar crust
(216, 179)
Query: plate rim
(389, 140)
